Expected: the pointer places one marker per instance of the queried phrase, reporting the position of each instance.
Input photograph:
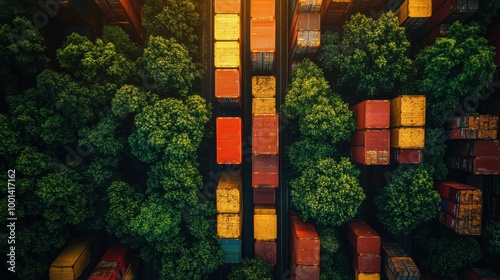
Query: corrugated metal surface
(228, 193)
(265, 223)
(363, 238)
(227, 6)
(408, 137)
(368, 263)
(263, 106)
(264, 86)
(486, 148)
(364, 156)
(264, 195)
(231, 250)
(478, 166)
(228, 134)
(305, 22)
(372, 139)
(266, 250)
(305, 241)
(463, 226)
(408, 110)
(227, 88)
(262, 8)
(458, 192)
(265, 170)
(227, 54)
(72, 261)
(413, 156)
(309, 6)
(311, 272)
(229, 225)
(226, 27)
(262, 35)
(265, 134)
(372, 114)
(262, 62)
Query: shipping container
(408, 110)
(305, 22)
(115, 261)
(131, 272)
(391, 250)
(309, 6)
(365, 276)
(305, 44)
(263, 35)
(263, 106)
(372, 139)
(264, 86)
(465, 133)
(119, 12)
(260, 9)
(460, 210)
(364, 156)
(332, 11)
(458, 192)
(262, 62)
(410, 156)
(449, 11)
(362, 237)
(231, 250)
(412, 14)
(408, 138)
(372, 114)
(367, 263)
(481, 148)
(303, 272)
(265, 134)
(228, 88)
(227, 6)
(265, 223)
(305, 241)
(266, 250)
(228, 193)
(478, 166)
(476, 122)
(229, 225)
(227, 54)
(394, 5)
(264, 195)
(265, 170)
(228, 130)
(226, 27)
(464, 226)
(480, 273)
(72, 261)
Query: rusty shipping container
(362, 237)
(367, 263)
(229, 225)
(265, 223)
(263, 106)
(458, 192)
(115, 261)
(390, 250)
(408, 110)
(372, 139)
(264, 195)
(228, 138)
(265, 170)
(264, 86)
(226, 27)
(305, 44)
(227, 6)
(408, 138)
(478, 166)
(228, 88)
(412, 14)
(228, 193)
(310, 272)
(411, 156)
(478, 148)
(372, 114)
(265, 134)
(260, 9)
(401, 268)
(305, 241)
(305, 22)
(266, 250)
(227, 54)
(461, 210)
(464, 226)
(370, 157)
(476, 122)
(465, 133)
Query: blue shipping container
(231, 249)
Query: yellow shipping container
(265, 223)
(414, 9)
(72, 261)
(408, 137)
(227, 54)
(227, 27)
(263, 106)
(229, 225)
(408, 110)
(228, 193)
(264, 86)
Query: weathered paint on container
(305, 22)
(364, 156)
(226, 27)
(227, 54)
(265, 170)
(264, 86)
(487, 148)
(115, 261)
(365, 276)
(478, 166)
(231, 250)
(265, 134)
(229, 225)
(262, 62)
(372, 114)
(264, 195)
(458, 192)
(408, 138)
(228, 193)
(263, 106)
(461, 210)
(362, 237)
(411, 156)
(228, 88)
(372, 139)
(305, 241)
(72, 261)
(408, 110)
(227, 6)
(367, 263)
(265, 223)
(266, 250)
(228, 136)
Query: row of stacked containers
(229, 200)
(304, 249)
(305, 30)
(389, 129)
(265, 129)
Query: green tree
(491, 237)
(251, 269)
(371, 56)
(170, 66)
(304, 152)
(327, 191)
(454, 72)
(131, 100)
(408, 200)
(121, 41)
(434, 152)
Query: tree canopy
(251, 269)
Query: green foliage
(170, 66)
(121, 41)
(491, 237)
(434, 152)
(371, 56)
(130, 100)
(306, 152)
(9, 137)
(454, 72)
(408, 200)
(443, 252)
(251, 269)
(327, 191)
(102, 138)
(488, 9)
(32, 163)
(124, 205)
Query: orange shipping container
(227, 88)
(262, 35)
(305, 241)
(265, 134)
(265, 170)
(262, 8)
(228, 130)
(305, 22)
(227, 6)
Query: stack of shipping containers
(407, 128)
(304, 249)
(364, 250)
(461, 207)
(305, 31)
(397, 264)
(370, 143)
(412, 14)
(265, 125)
(335, 11)
(227, 32)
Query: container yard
(365, 249)
(305, 249)
(412, 14)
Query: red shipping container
(227, 88)
(265, 170)
(479, 273)
(363, 238)
(367, 263)
(369, 157)
(266, 250)
(305, 241)
(304, 22)
(391, 250)
(228, 134)
(227, 6)
(262, 35)
(372, 139)
(265, 134)
(262, 9)
(306, 272)
(475, 148)
(372, 114)
(459, 192)
(113, 263)
(407, 155)
(264, 195)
